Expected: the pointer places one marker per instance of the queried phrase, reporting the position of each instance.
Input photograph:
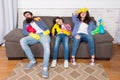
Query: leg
(66, 50)
(66, 47)
(25, 42)
(45, 41)
(56, 47)
(90, 40)
(76, 41)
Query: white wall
(68, 3)
(108, 10)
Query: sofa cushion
(14, 36)
(101, 38)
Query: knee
(90, 39)
(22, 41)
(77, 37)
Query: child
(63, 32)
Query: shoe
(72, 60)
(45, 73)
(54, 63)
(30, 65)
(66, 64)
(92, 62)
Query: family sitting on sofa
(35, 30)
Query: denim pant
(64, 39)
(44, 40)
(86, 38)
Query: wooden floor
(112, 66)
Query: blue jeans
(44, 40)
(86, 38)
(64, 39)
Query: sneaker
(54, 63)
(30, 65)
(72, 60)
(45, 73)
(92, 62)
(66, 65)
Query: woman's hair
(87, 18)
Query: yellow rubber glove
(37, 18)
(35, 36)
(66, 32)
(46, 32)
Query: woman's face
(59, 21)
(83, 14)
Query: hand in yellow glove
(35, 36)
(37, 18)
(46, 32)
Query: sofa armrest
(14, 36)
(101, 38)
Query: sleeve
(74, 18)
(68, 27)
(45, 25)
(92, 26)
(25, 32)
(53, 29)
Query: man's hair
(27, 12)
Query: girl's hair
(54, 20)
(87, 18)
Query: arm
(24, 31)
(47, 30)
(45, 25)
(92, 27)
(67, 29)
(53, 29)
(74, 17)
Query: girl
(61, 33)
(83, 25)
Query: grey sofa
(103, 44)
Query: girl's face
(59, 21)
(83, 14)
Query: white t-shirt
(36, 27)
(83, 28)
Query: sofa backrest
(49, 20)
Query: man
(35, 30)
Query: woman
(83, 25)
(61, 33)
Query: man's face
(28, 15)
